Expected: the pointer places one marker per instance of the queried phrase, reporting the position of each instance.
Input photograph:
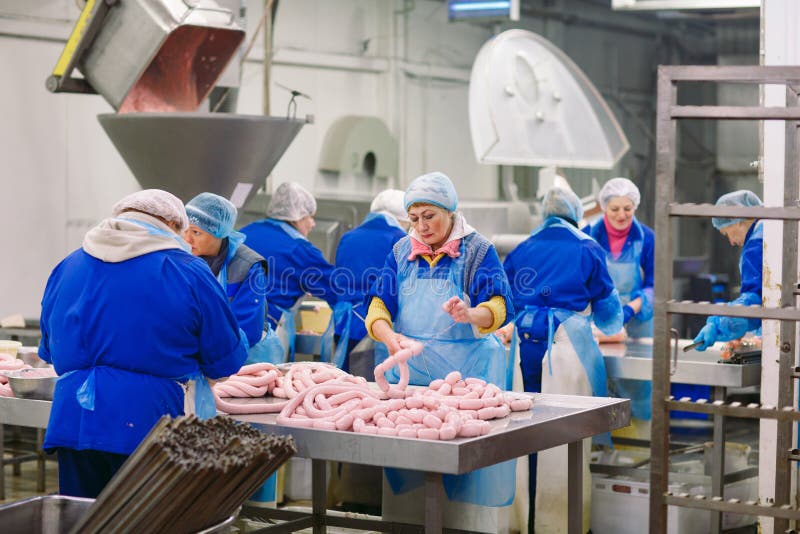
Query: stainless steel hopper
(189, 153)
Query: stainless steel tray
(57, 514)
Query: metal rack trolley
(668, 112)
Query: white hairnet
(291, 202)
(563, 203)
(619, 187)
(154, 202)
(390, 202)
(432, 188)
(743, 197)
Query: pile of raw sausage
(321, 396)
(9, 363)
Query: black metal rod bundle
(185, 476)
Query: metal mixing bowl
(31, 387)
(30, 355)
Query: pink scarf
(616, 238)
(418, 248)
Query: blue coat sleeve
(223, 350)
(490, 280)
(385, 286)
(315, 273)
(248, 303)
(606, 308)
(751, 265)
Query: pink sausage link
(436, 384)
(407, 433)
(520, 405)
(470, 404)
(452, 378)
(431, 421)
(428, 433)
(447, 432)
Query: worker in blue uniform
(630, 253)
(443, 285)
(630, 257)
(295, 267)
(748, 234)
(359, 258)
(240, 271)
(560, 282)
(134, 325)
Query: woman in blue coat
(359, 258)
(240, 271)
(560, 283)
(443, 285)
(133, 324)
(295, 267)
(630, 256)
(748, 234)
(630, 253)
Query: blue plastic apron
(447, 347)
(577, 327)
(342, 313)
(204, 405)
(626, 273)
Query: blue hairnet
(619, 187)
(562, 202)
(212, 213)
(743, 197)
(432, 188)
(291, 202)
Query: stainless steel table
(23, 412)
(633, 360)
(554, 420)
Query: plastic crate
(621, 506)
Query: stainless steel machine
(155, 62)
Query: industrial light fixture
(483, 9)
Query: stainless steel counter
(23, 412)
(634, 360)
(554, 420)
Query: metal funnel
(189, 153)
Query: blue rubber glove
(707, 336)
(627, 314)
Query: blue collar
(391, 221)
(286, 227)
(750, 231)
